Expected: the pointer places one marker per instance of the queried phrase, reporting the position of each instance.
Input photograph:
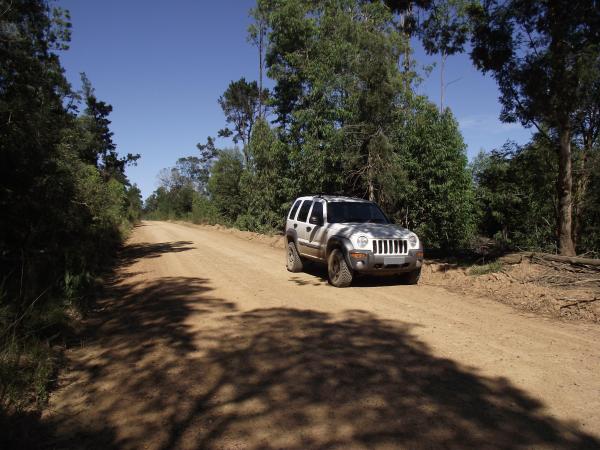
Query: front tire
(293, 261)
(340, 275)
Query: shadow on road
(320, 277)
(133, 252)
(168, 365)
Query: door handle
(308, 228)
(295, 225)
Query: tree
(445, 31)
(408, 12)
(61, 218)
(257, 35)
(346, 121)
(241, 105)
(515, 194)
(539, 53)
(325, 101)
(587, 143)
(100, 149)
(266, 186)
(193, 171)
(435, 197)
(224, 184)
(134, 203)
(590, 221)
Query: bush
(204, 211)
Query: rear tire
(293, 261)
(340, 275)
(411, 277)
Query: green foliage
(347, 121)
(63, 196)
(205, 212)
(133, 203)
(266, 188)
(343, 125)
(240, 103)
(435, 197)
(485, 268)
(546, 63)
(446, 28)
(224, 184)
(516, 196)
(589, 234)
(99, 149)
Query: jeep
(351, 236)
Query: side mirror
(314, 220)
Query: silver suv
(351, 236)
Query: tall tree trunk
(403, 25)
(442, 87)
(370, 172)
(564, 186)
(260, 69)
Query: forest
(343, 117)
(356, 125)
(65, 199)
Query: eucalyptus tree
(445, 30)
(540, 53)
(335, 64)
(241, 104)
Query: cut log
(516, 258)
(569, 259)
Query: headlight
(413, 240)
(362, 241)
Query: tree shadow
(167, 364)
(133, 252)
(304, 379)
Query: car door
(301, 224)
(315, 229)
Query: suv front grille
(390, 246)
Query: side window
(303, 214)
(317, 211)
(294, 209)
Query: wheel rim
(290, 260)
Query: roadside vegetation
(356, 126)
(484, 269)
(65, 200)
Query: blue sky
(162, 65)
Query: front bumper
(372, 263)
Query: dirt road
(203, 340)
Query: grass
(484, 269)
(26, 370)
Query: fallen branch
(569, 259)
(580, 302)
(516, 258)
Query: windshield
(356, 212)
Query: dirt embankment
(559, 292)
